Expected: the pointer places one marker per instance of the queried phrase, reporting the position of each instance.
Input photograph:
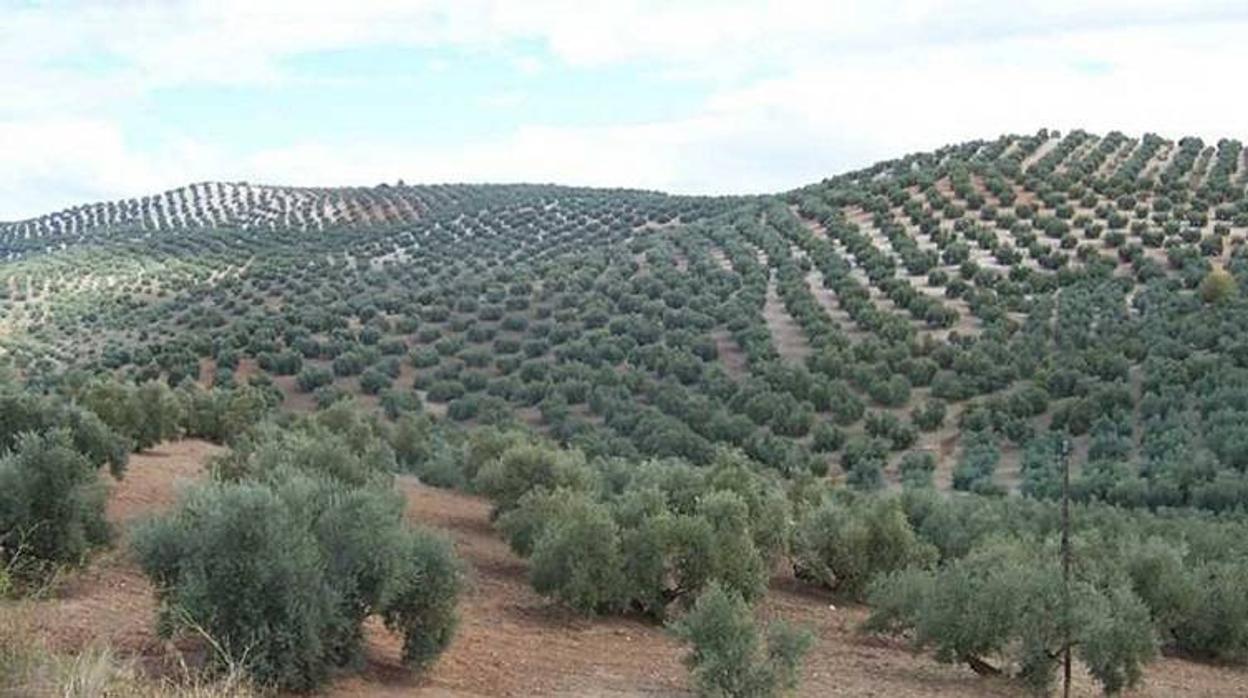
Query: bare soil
(730, 354)
(790, 339)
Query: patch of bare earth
(731, 356)
(110, 601)
(789, 337)
(512, 642)
(1039, 153)
(827, 299)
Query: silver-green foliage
(1006, 600)
(729, 658)
(282, 562)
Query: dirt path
(790, 338)
(731, 356)
(1036, 155)
(828, 300)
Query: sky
(104, 100)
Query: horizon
(394, 182)
(636, 95)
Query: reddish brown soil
(110, 601)
(788, 336)
(511, 642)
(153, 479)
(730, 354)
(246, 369)
(207, 372)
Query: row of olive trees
(977, 579)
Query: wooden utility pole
(1066, 566)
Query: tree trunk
(979, 666)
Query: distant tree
(1217, 286)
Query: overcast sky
(106, 100)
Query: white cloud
(843, 85)
(502, 100)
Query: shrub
(422, 604)
(828, 438)
(522, 467)
(396, 402)
(22, 413)
(863, 463)
(728, 658)
(313, 377)
(845, 545)
(146, 414)
(1005, 600)
(286, 363)
(917, 469)
(349, 364)
(373, 381)
(577, 558)
(446, 391)
(977, 466)
(672, 530)
(1212, 616)
(1217, 286)
(51, 505)
(735, 560)
(282, 575)
(930, 416)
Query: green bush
(828, 438)
(219, 414)
(235, 561)
(1217, 286)
(729, 659)
(523, 467)
(664, 529)
(1212, 618)
(577, 558)
(373, 381)
(51, 505)
(845, 544)
(282, 574)
(313, 377)
(917, 468)
(422, 598)
(930, 416)
(1005, 600)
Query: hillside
(941, 316)
(567, 418)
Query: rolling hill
(864, 390)
(836, 327)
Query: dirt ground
(511, 642)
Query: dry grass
(29, 668)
